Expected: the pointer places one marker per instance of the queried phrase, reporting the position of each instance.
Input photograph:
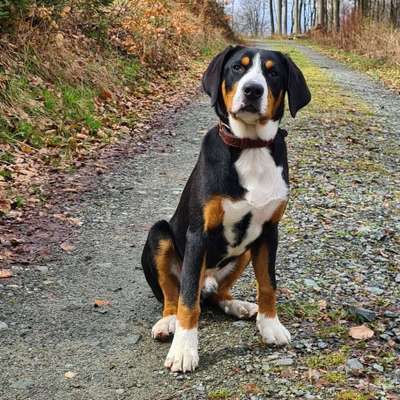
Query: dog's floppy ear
(212, 77)
(298, 92)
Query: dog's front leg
(183, 354)
(263, 257)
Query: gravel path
(338, 267)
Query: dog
(229, 210)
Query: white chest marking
(266, 189)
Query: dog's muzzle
(252, 95)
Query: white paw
(272, 331)
(210, 285)
(164, 328)
(183, 355)
(239, 308)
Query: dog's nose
(253, 91)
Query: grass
(336, 330)
(219, 394)
(335, 377)
(351, 395)
(305, 310)
(327, 361)
(376, 68)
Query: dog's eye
(237, 67)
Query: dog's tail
(159, 231)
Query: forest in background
(364, 33)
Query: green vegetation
(352, 395)
(335, 377)
(305, 310)
(219, 394)
(377, 69)
(326, 361)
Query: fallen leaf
(70, 375)
(67, 247)
(101, 303)
(5, 273)
(361, 332)
(5, 206)
(322, 305)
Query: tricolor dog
(229, 210)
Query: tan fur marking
(228, 96)
(266, 294)
(269, 64)
(188, 317)
(278, 214)
(213, 213)
(168, 282)
(245, 61)
(225, 286)
(273, 104)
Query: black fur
(215, 175)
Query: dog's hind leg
(223, 297)
(161, 266)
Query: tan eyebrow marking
(245, 61)
(269, 64)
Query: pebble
(389, 314)
(378, 367)
(309, 396)
(363, 314)
(375, 290)
(42, 268)
(353, 364)
(133, 339)
(397, 279)
(239, 324)
(3, 326)
(284, 361)
(120, 391)
(311, 283)
(22, 384)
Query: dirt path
(338, 249)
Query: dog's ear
(212, 77)
(298, 92)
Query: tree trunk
(296, 16)
(336, 16)
(279, 17)
(285, 12)
(322, 13)
(271, 14)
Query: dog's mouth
(250, 108)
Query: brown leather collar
(241, 143)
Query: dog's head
(250, 85)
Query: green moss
(351, 395)
(219, 394)
(293, 308)
(333, 331)
(335, 377)
(326, 361)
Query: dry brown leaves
(101, 303)
(5, 273)
(361, 332)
